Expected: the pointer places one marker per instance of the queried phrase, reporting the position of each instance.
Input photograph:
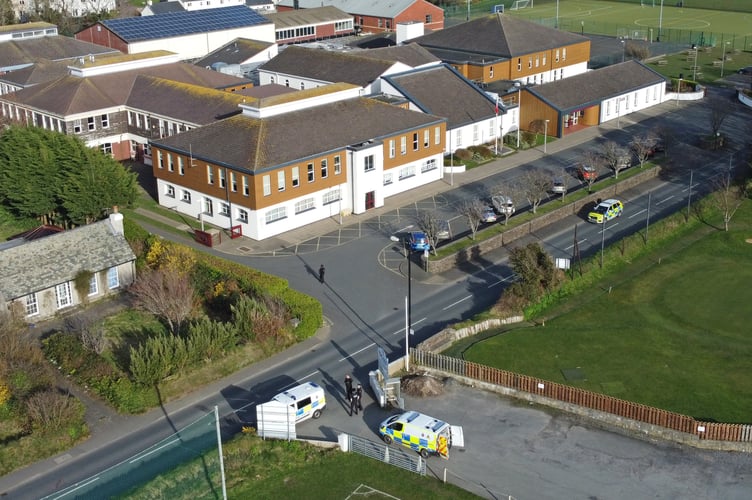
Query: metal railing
(388, 455)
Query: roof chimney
(116, 221)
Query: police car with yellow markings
(424, 434)
(605, 211)
(306, 399)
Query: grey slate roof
(595, 86)
(441, 91)
(235, 52)
(72, 95)
(39, 72)
(50, 48)
(46, 262)
(303, 17)
(390, 8)
(255, 145)
(498, 35)
(412, 55)
(165, 7)
(327, 66)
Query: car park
(418, 241)
(605, 211)
(559, 186)
(503, 205)
(488, 215)
(587, 173)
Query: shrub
(481, 152)
(463, 154)
(50, 410)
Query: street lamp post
(519, 111)
(545, 135)
(603, 239)
(408, 301)
(723, 57)
(623, 49)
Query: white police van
(306, 399)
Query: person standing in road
(354, 404)
(359, 396)
(321, 273)
(348, 386)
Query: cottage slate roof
(499, 35)
(595, 86)
(46, 262)
(327, 66)
(441, 91)
(303, 17)
(72, 95)
(389, 9)
(51, 48)
(234, 52)
(173, 24)
(257, 145)
(158, 8)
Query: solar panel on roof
(170, 24)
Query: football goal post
(521, 4)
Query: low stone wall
(472, 252)
(447, 336)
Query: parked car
(746, 71)
(559, 186)
(488, 215)
(503, 205)
(625, 162)
(418, 241)
(587, 173)
(605, 211)
(444, 232)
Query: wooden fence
(588, 399)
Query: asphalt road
(510, 450)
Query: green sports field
(675, 335)
(631, 20)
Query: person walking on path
(348, 386)
(358, 396)
(354, 403)
(321, 273)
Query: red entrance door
(370, 199)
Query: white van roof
(298, 392)
(423, 421)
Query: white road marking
(455, 303)
(665, 199)
(583, 240)
(309, 375)
(638, 213)
(500, 281)
(357, 352)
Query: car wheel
(316, 413)
(387, 439)
(423, 453)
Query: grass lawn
(673, 335)
(255, 468)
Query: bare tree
(165, 294)
(535, 185)
(728, 196)
(473, 211)
(592, 161)
(720, 109)
(643, 147)
(430, 223)
(616, 157)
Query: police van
(306, 399)
(424, 434)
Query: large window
(406, 172)
(337, 165)
(63, 295)
(295, 177)
(403, 145)
(113, 280)
(243, 215)
(222, 180)
(224, 209)
(93, 285)
(281, 180)
(305, 205)
(267, 181)
(426, 138)
(32, 306)
(275, 214)
(392, 148)
(428, 165)
(387, 178)
(91, 123)
(246, 188)
(437, 135)
(415, 141)
(368, 162)
(331, 196)
(324, 169)
(210, 174)
(233, 182)
(311, 173)
(186, 197)
(105, 121)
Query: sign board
(383, 364)
(562, 263)
(275, 420)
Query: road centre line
(665, 199)
(139, 457)
(309, 375)
(357, 352)
(500, 281)
(78, 487)
(609, 227)
(583, 240)
(638, 213)
(402, 330)
(455, 303)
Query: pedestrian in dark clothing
(321, 273)
(359, 396)
(348, 386)
(354, 404)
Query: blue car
(418, 241)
